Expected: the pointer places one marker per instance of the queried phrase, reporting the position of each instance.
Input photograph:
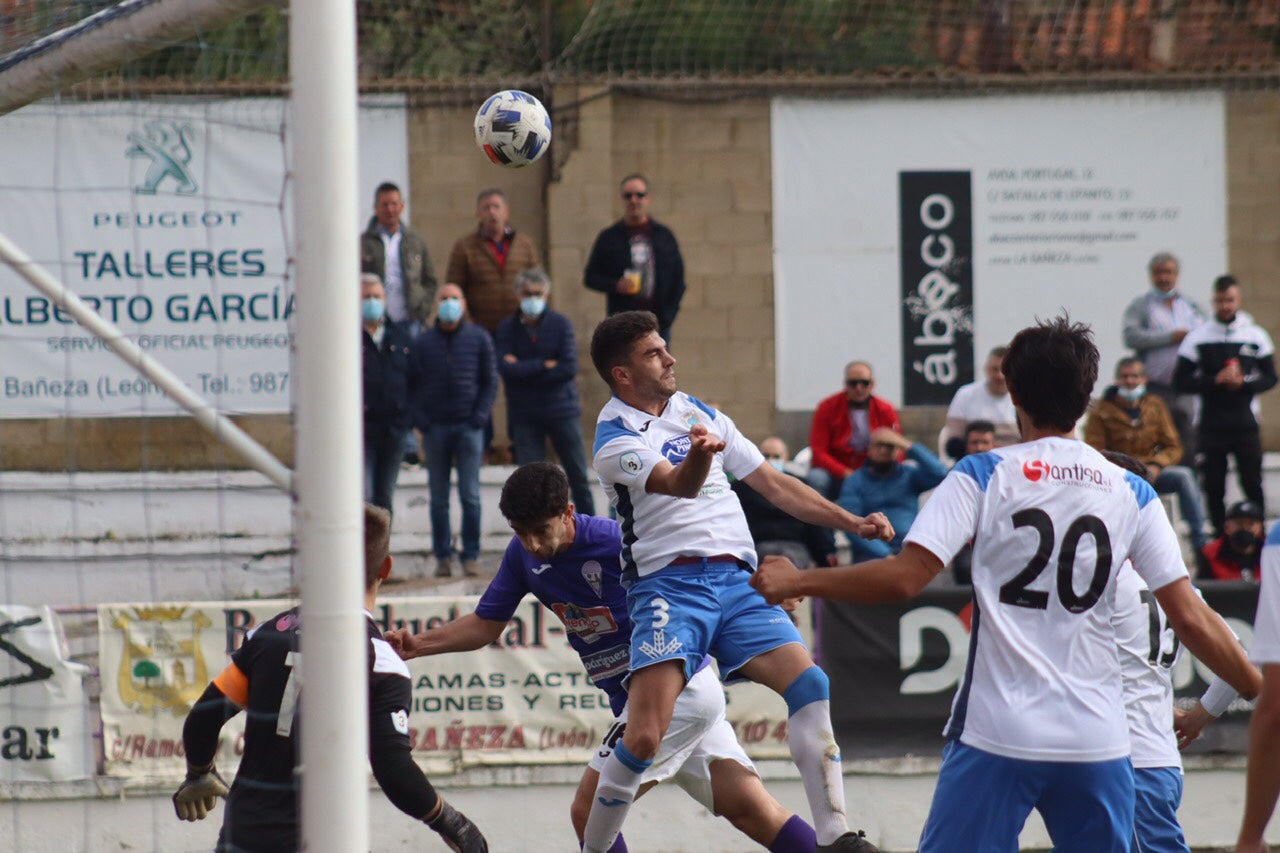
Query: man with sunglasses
(636, 261)
(840, 434)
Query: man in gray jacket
(399, 257)
(1154, 325)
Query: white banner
(172, 219)
(524, 700)
(1070, 197)
(44, 736)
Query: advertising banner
(45, 736)
(918, 234)
(171, 219)
(524, 700)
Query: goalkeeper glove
(199, 793)
(459, 833)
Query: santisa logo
(1036, 470)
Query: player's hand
(791, 604)
(1188, 725)
(702, 441)
(776, 579)
(875, 526)
(198, 793)
(401, 639)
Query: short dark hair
(1223, 283)
(635, 176)
(1127, 462)
(377, 542)
(978, 426)
(612, 340)
(533, 493)
(488, 191)
(998, 352)
(1051, 369)
(385, 187)
(1129, 361)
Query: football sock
(796, 836)
(616, 791)
(815, 752)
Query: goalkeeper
(262, 805)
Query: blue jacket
(897, 495)
(451, 376)
(386, 379)
(533, 391)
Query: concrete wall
(709, 164)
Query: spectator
(1128, 420)
(398, 257)
(842, 427)
(638, 244)
(538, 360)
(452, 383)
(1154, 326)
(985, 400)
(1227, 361)
(1237, 554)
(886, 485)
(775, 531)
(979, 437)
(485, 262)
(386, 393)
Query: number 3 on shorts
(661, 616)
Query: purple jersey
(583, 588)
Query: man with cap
(1235, 556)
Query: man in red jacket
(842, 427)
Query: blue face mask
(779, 464)
(450, 310)
(1131, 394)
(372, 310)
(533, 306)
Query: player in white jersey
(1264, 729)
(662, 457)
(1038, 720)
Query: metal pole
(335, 723)
(257, 456)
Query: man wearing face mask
(452, 383)
(1154, 325)
(773, 530)
(386, 392)
(883, 484)
(1237, 555)
(538, 361)
(1130, 420)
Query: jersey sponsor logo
(607, 663)
(630, 462)
(588, 623)
(593, 574)
(400, 721)
(1037, 470)
(676, 449)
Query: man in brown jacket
(1129, 420)
(484, 263)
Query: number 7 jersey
(1051, 522)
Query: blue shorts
(982, 801)
(683, 612)
(1158, 793)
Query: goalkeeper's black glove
(199, 793)
(459, 833)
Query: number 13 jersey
(1051, 522)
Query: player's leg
(980, 802)
(1157, 795)
(1089, 806)
(581, 808)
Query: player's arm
(463, 634)
(796, 498)
(221, 700)
(890, 579)
(686, 479)
(1207, 637)
(1263, 774)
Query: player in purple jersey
(571, 563)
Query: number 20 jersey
(1051, 522)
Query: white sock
(816, 755)
(616, 791)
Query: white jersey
(1148, 651)
(656, 529)
(1051, 522)
(1266, 624)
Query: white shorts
(698, 735)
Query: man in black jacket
(386, 392)
(636, 261)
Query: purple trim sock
(796, 836)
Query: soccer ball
(513, 128)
